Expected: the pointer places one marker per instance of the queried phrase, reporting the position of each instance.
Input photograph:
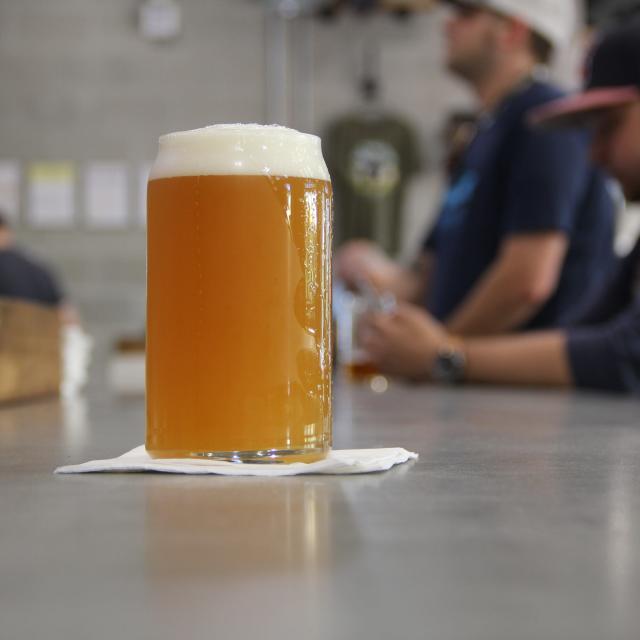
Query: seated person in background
(525, 231)
(602, 350)
(23, 278)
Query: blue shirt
(604, 343)
(516, 179)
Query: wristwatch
(450, 364)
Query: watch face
(449, 367)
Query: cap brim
(577, 110)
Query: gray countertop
(521, 519)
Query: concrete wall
(80, 84)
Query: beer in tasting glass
(239, 296)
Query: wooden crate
(30, 356)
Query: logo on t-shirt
(457, 199)
(374, 168)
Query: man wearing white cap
(525, 230)
(553, 20)
(601, 347)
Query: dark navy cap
(612, 79)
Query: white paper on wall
(105, 191)
(10, 189)
(143, 179)
(51, 194)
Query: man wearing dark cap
(23, 278)
(525, 229)
(601, 350)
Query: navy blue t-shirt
(516, 179)
(23, 278)
(604, 343)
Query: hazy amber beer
(239, 296)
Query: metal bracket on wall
(289, 67)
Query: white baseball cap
(554, 20)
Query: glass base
(264, 456)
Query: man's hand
(363, 260)
(407, 342)
(403, 343)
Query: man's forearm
(538, 359)
(514, 288)
(493, 307)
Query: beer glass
(239, 296)
(349, 309)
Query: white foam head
(240, 149)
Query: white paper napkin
(337, 462)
